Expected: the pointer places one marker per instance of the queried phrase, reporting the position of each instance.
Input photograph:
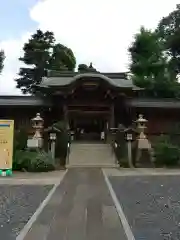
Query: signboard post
(6, 146)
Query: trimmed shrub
(42, 162)
(165, 152)
(20, 139)
(63, 137)
(33, 161)
(21, 159)
(121, 149)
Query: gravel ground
(17, 205)
(151, 205)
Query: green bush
(63, 137)
(42, 162)
(121, 149)
(166, 153)
(20, 144)
(20, 139)
(21, 159)
(33, 161)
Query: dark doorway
(87, 128)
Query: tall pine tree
(42, 54)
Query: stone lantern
(37, 124)
(142, 141)
(141, 126)
(37, 140)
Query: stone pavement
(20, 196)
(150, 199)
(81, 208)
(27, 178)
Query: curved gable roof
(65, 81)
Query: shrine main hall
(90, 103)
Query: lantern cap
(141, 119)
(38, 118)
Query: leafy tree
(62, 58)
(42, 54)
(2, 57)
(83, 68)
(150, 67)
(169, 32)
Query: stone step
(92, 166)
(98, 155)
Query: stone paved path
(80, 209)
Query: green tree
(2, 57)
(169, 32)
(150, 67)
(62, 58)
(42, 54)
(83, 68)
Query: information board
(6, 143)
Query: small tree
(83, 68)
(2, 57)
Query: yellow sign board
(6, 143)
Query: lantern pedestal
(35, 143)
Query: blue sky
(15, 18)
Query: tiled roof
(23, 101)
(67, 80)
(154, 103)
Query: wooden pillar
(65, 112)
(112, 116)
(111, 123)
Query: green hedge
(27, 160)
(121, 149)
(20, 139)
(33, 161)
(165, 152)
(63, 137)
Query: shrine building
(90, 103)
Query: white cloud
(13, 50)
(98, 31)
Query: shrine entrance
(89, 108)
(88, 128)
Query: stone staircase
(91, 155)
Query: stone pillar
(53, 144)
(129, 138)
